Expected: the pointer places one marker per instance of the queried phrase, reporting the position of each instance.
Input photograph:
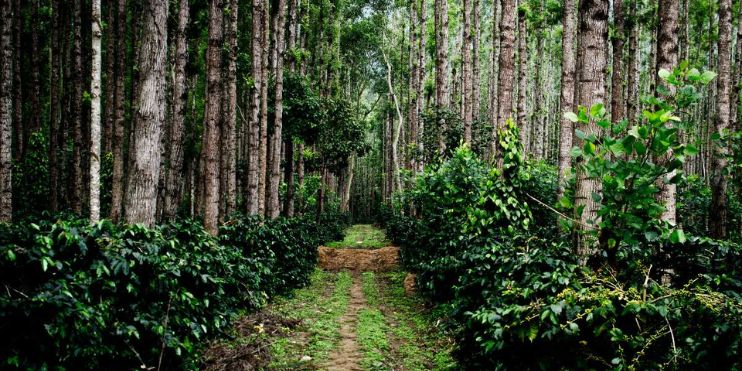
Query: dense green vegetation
(362, 236)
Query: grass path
(352, 321)
(362, 236)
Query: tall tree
(421, 82)
(174, 177)
(263, 154)
(523, 76)
(273, 208)
(719, 202)
(54, 107)
(466, 73)
(667, 58)
(567, 95)
(506, 75)
(229, 127)
(117, 176)
(76, 181)
(476, 68)
(253, 163)
(617, 80)
(6, 112)
(212, 117)
(95, 114)
(442, 97)
(142, 178)
(591, 57)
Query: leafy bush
(105, 296)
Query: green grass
(321, 315)
(372, 339)
(362, 236)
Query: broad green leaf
(571, 116)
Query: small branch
(560, 214)
(672, 337)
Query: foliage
(105, 296)
(31, 177)
(440, 123)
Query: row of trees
(534, 60)
(181, 102)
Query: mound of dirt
(374, 260)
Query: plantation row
(105, 296)
(487, 250)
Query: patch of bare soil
(346, 355)
(253, 351)
(377, 260)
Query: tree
(253, 162)
(273, 208)
(466, 73)
(174, 177)
(229, 116)
(617, 102)
(593, 40)
(506, 76)
(6, 113)
(212, 118)
(522, 76)
(143, 176)
(567, 95)
(117, 186)
(95, 115)
(442, 98)
(667, 59)
(719, 202)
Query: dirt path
(347, 353)
(355, 315)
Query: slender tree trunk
(506, 77)
(591, 57)
(76, 184)
(617, 79)
(273, 208)
(229, 132)
(442, 99)
(117, 188)
(174, 180)
(212, 117)
(466, 67)
(263, 157)
(413, 100)
(522, 79)
(632, 89)
(6, 112)
(719, 207)
(567, 95)
(110, 94)
(253, 169)
(476, 70)
(20, 132)
(54, 109)
(141, 193)
(667, 58)
(421, 85)
(95, 115)
(492, 89)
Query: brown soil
(376, 260)
(347, 353)
(253, 354)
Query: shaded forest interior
(602, 134)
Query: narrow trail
(347, 353)
(355, 315)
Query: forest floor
(346, 319)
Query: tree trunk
(506, 75)
(617, 80)
(76, 181)
(667, 58)
(522, 79)
(95, 115)
(476, 71)
(141, 193)
(442, 98)
(273, 208)
(466, 70)
(229, 132)
(54, 108)
(263, 157)
(6, 113)
(253, 163)
(110, 94)
(632, 89)
(492, 89)
(117, 186)
(567, 96)
(719, 207)
(174, 180)
(421, 86)
(20, 132)
(591, 57)
(212, 117)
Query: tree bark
(591, 57)
(632, 89)
(506, 75)
(522, 79)
(54, 108)
(229, 132)
(567, 95)
(212, 117)
(617, 80)
(263, 157)
(476, 70)
(667, 58)
(253, 163)
(174, 180)
(76, 181)
(95, 114)
(442, 99)
(6, 113)
(719, 207)
(110, 94)
(273, 208)
(20, 132)
(117, 186)
(466, 71)
(421, 86)
(143, 176)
